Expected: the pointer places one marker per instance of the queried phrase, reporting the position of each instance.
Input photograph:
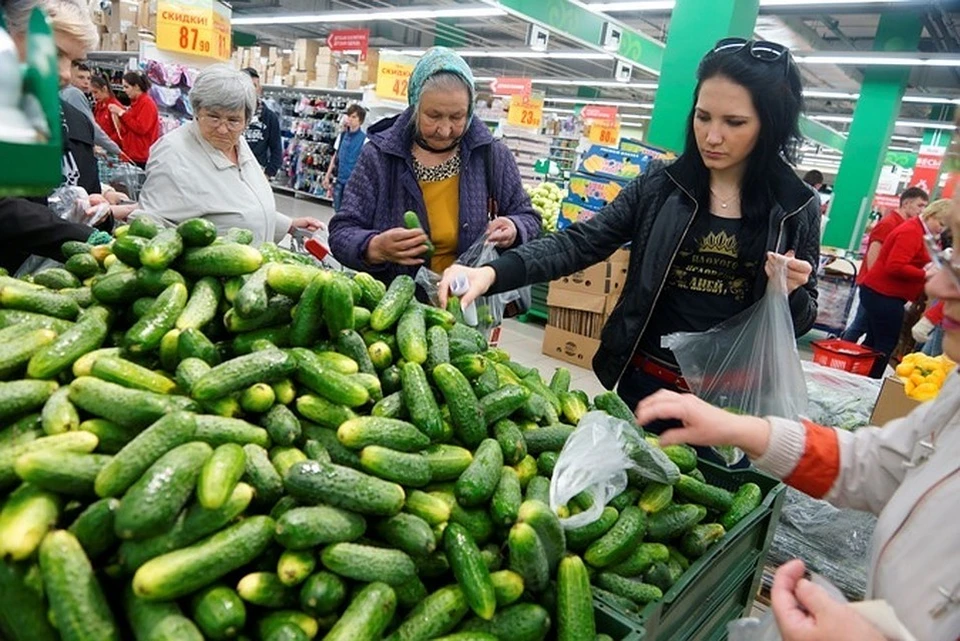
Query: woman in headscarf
(438, 161)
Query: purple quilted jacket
(383, 186)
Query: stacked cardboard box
(125, 23)
(579, 306)
(308, 64)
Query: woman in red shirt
(140, 123)
(896, 278)
(104, 97)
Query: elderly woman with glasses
(206, 168)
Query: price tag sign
(525, 111)
(604, 134)
(194, 27)
(393, 76)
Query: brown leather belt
(655, 369)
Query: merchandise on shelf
(528, 147)
(546, 197)
(923, 375)
(170, 89)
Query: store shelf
(297, 192)
(315, 90)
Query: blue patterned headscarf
(434, 61)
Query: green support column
(874, 119)
(689, 38)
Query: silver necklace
(724, 203)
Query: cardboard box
(892, 402)
(579, 313)
(113, 42)
(327, 76)
(305, 54)
(592, 280)
(569, 347)
(123, 15)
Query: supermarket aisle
(296, 207)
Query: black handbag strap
(493, 207)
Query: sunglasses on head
(759, 49)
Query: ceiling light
(667, 5)
(589, 82)
(413, 13)
(556, 110)
(592, 101)
(887, 59)
(932, 100)
(635, 117)
(907, 138)
(519, 54)
(910, 149)
(919, 124)
(831, 95)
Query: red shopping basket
(841, 354)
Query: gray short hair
(223, 87)
(70, 17)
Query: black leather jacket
(654, 212)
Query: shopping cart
(314, 244)
(837, 287)
(122, 175)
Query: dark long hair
(776, 90)
(101, 82)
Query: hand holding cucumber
(704, 424)
(397, 245)
(805, 612)
(480, 278)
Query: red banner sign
(927, 169)
(885, 201)
(511, 86)
(599, 112)
(350, 41)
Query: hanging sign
(511, 86)
(927, 169)
(604, 113)
(194, 27)
(393, 76)
(604, 134)
(525, 111)
(350, 41)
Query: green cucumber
(282, 425)
(506, 500)
(519, 622)
(479, 481)
(435, 615)
(547, 439)
(508, 586)
(219, 612)
(15, 353)
(511, 440)
(335, 450)
(639, 561)
(612, 404)
(146, 333)
(392, 406)
(128, 249)
(162, 249)
(652, 463)
(39, 301)
(684, 456)
(323, 412)
(465, 411)
(528, 557)
(322, 594)
(367, 563)
(158, 621)
(422, 406)
(447, 462)
(60, 471)
(185, 571)
(503, 402)
(197, 232)
(23, 616)
(538, 489)
(257, 399)
(225, 260)
(526, 470)
(192, 525)
(407, 469)
(79, 606)
(372, 289)
(630, 496)
(29, 513)
(253, 297)
(295, 624)
(26, 443)
(470, 571)
(539, 410)
(303, 528)
(572, 408)
(575, 618)
(438, 348)
(290, 280)
(655, 497)
(673, 521)
(618, 542)
(473, 366)
(412, 335)
(58, 414)
(117, 370)
(700, 537)
(338, 306)
(86, 335)
(640, 593)
(578, 539)
(151, 504)
(380, 354)
(116, 288)
(539, 516)
(285, 457)
(338, 362)
(153, 281)
(391, 380)
(431, 509)
(360, 432)
(350, 344)
(192, 343)
(367, 616)
(266, 590)
(546, 463)
(143, 227)
(220, 475)
(560, 381)
(94, 527)
(408, 533)
(314, 482)
(371, 383)
(202, 305)
(393, 303)
(239, 373)
(262, 475)
(319, 377)
(138, 455)
(710, 496)
(746, 499)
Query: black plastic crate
(727, 576)
(612, 622)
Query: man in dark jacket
(263, 132)
(30, 228)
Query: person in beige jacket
(907, 472)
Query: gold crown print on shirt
(720, 243)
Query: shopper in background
(76, 94)
(105, 119)
(206, 169)
(906, 472)
(348, 146)
(702, 229)
(928, 331)
(912, 202)
(896, 278)
(437, 160)
(140, 122)
(814, 178)
(263, 131)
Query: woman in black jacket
(701, 229)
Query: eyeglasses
(759, 49)
(233, 124)
(941, 259)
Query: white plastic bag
(596, 459)
(748, 364)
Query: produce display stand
(720, 586)
(538, 307)
(837, 288)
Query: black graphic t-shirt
(710, 281)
